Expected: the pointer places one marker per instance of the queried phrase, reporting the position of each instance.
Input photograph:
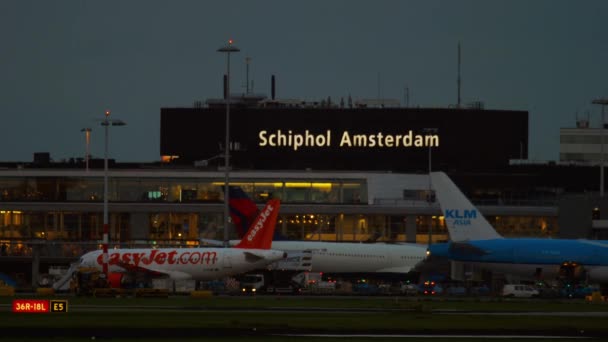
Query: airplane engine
(572, 271)
(115, 280)
(599, 275)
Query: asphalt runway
(198, 332)
(178, 308)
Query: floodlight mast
(227, 49)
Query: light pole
(87, 135)
(429, 197)
(106, 122)
(227, 49)
(602, 102)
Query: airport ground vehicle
(86, 279)
(578, 291)
(286, 282)
(520, 291)
(456, 291)
(431, 288)
(409, 289)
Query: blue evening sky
(62, 63)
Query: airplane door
(227, 260)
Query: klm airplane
(474, 240)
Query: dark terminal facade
(335, 138)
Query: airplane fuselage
(530, 256)
(185, 263)
(333, 257)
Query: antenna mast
(458, 81)
(247, 62)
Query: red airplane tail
(243, 210)
(261, 231)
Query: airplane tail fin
(463, 220)
(243, 211)
(259, 235)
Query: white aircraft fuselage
(185, 263)
(335, 257)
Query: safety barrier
(201, 294)
(7, 291)
(45, 291)
(595, 297)
(162, 293)
(108, 292)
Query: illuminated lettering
(459, 222)
(407, 139)
(260, 222)
(282, 139)
(345, 141)
(372, 141)
(297, 141)
(389, 140)
(323, 140)
(455, 214)
(262, 137)
(380, 139)
(294, 140)
(360, 140)
(30, 306)
(431, 140)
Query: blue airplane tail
(462, 218)
(7, 280)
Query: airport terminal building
(343, 173)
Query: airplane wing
(217, 243)
(464, 249)
(176, 275)
(252, 256)
(400, 269)
(599, 243)
(212, 242)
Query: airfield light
(106, 122)
(603, 102)
(227, 49)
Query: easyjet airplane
(252, 252)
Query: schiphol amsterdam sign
(298, 140)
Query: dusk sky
(63, 63)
